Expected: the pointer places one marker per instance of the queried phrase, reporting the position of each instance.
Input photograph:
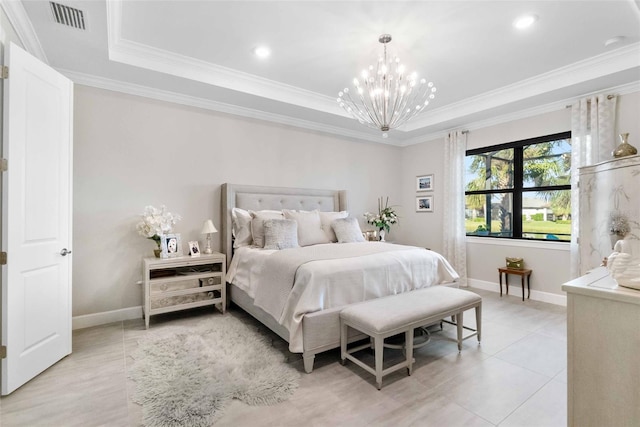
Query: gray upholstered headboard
(258, 198)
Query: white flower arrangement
(384, 218)
(156, 222)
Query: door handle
(64, 252)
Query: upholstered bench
(384, 317)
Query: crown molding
(522, 114)
(21, 23)
(607, 63)
(163, 61)
(206, 104)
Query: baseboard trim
(96, 319)
(517, 291)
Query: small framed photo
(424, 204)
(171, 246)
(194, 249)
(424, 182)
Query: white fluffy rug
(186, 375)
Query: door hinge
(3, 258)
(4, 164)
(3, 352)
(4, 72)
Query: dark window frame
(518, 187)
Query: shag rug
(185, 376)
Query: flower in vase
(385, 217)
(156, 222)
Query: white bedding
(363, 272)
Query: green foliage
(537, 217)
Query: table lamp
(208, 228)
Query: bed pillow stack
(311, 228)
(257, 224)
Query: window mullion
(518, 178)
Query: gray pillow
(280, 234)
(347, 230)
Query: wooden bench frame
(407, 329)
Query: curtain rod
(588, 100)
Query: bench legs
(378, 345)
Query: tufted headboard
(258, 198)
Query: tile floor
(516, 377)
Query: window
(520, 190)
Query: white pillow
(280, 234)
(326, 218)
(241, 228)
(257, 226)
(309, 227)
(347, 230)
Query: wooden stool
(522, 272)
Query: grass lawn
(541, 228)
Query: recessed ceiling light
(525, 21)
(262, 51)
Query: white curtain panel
(593, 140)
(454, 236)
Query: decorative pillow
(326, 218)
(280, 234)
(241, 228)
(257, 227)
(309, 227)
(347, 230)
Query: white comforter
(361, 272)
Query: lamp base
(208, 250)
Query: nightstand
(181, 283)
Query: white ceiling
(200, 53)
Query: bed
(302, 318)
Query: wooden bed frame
(320, 330)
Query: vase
(624, 149)
(156, 252)
(381, 234)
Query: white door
(36, 218)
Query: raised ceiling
(201, 53)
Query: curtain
(454, 236)
(592, 141)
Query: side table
(181, 283)
(522, 272)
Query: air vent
(68, 16)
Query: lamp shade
(208, 227)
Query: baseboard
(517, 291)
(95, 319)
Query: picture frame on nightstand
(194, 248)
(170, 246)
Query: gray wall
(130, 152)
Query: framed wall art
(171, 246)
(424, 182)
(424, 204)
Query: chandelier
(386, 97)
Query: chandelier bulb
(356, 82)
(430, 84)
(423, 81)
(432, 96)
(346, 90)
(433, 89)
